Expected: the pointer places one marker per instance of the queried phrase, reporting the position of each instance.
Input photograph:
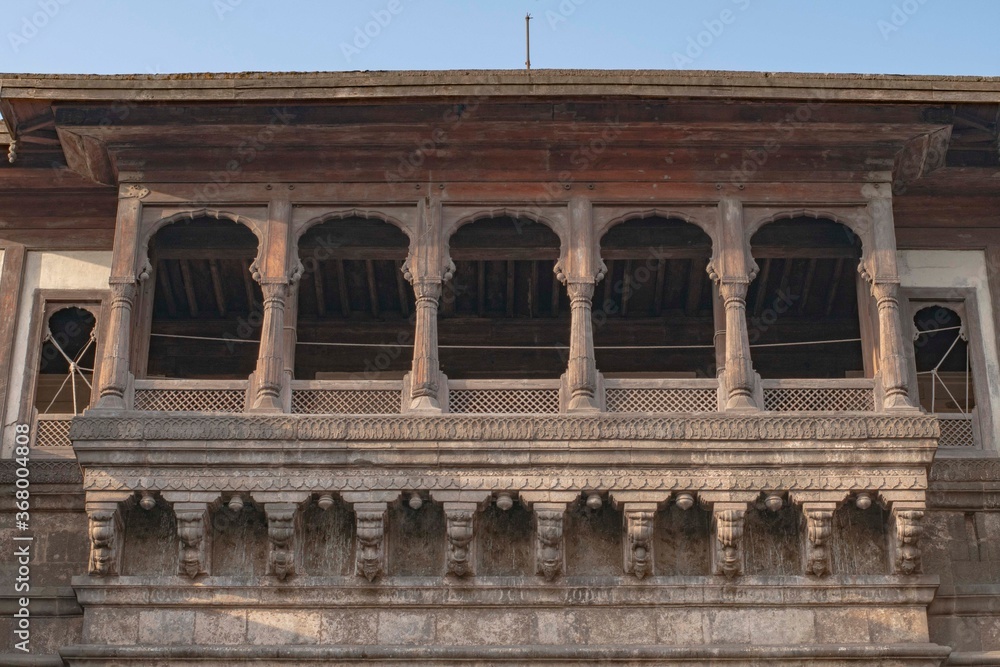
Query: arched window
(504, 314)
(207, 310)
(355, 308)
(653, 314)
(803, 318)
(66, 364)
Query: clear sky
(159, 36)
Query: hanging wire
(962, 406)
(75, 370)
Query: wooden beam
(533, 290)
(11, 277)
(765, 272)
(661, 276)
(510, 287)
(807, 284)
(163, 278)
(317, 277)
(372, 286)
(556, 288)
(345, 302)
(786, 273)
(696, 283)
(189, 287)
(993, 282)
(220, 297)
(831, 298)
(401, 287)
(609, 279)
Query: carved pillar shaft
(549, 548)
(906, 532)
(270, 358)
(892, 361)
(639, 538)
(106, 532)
(819, 528)
(115, 364)
(425, 379)
(739, 374)
(582, 369)
(461, 518)
(370, 560)
(282, 529)
(194, 539)
(727, 520)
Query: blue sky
(151, 36)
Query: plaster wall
(46, 270)
(961, 269)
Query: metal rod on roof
(527, 40)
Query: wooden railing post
(582, 368)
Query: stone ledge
(393, 592)
(889, 655)
(968, 600)
(977, 659)
(23, 660)
(45, 601)
(132, 426)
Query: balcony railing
(191, 395)
(819, 395)
(503, 396)
(958, 431)
(651, 396)
(52, 432)
(347, 397)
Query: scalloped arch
(364, 213)
(507, 212)
(143, 265)
(858, 226)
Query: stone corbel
(906, 528)
(639, 538)
(550, 552)
(727, 525)
(106, 531)
(819, 529)
(461, 533)
(370, 547)
(283, 534)
(194, 534)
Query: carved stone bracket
(107, 533)
(283, 528)
(819, 528)
(370, 561)
(194, 534)
(639, 538)
(906, 531)
(727, 523)
(461, 533)
(549, 546)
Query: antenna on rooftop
(527, 40)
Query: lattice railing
(788, 396)
(190, 396)
(346, 401)
(661, 395)
(52, 431)
(489, 397)
(957, 431)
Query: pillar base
(267, 404)
(583, 404)
(741, 403)
(425, 405)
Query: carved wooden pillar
(892, 359)
(727, 526)
(461, 518)
(194, 535)
(879, 269)
(639, 538)
(270, 361)
(739, 374)
(426, 377)
(906, 529)
(819, 528)
(127, 271)
(283, 526)
(106, 531)
(582, 369)
(550, 558)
